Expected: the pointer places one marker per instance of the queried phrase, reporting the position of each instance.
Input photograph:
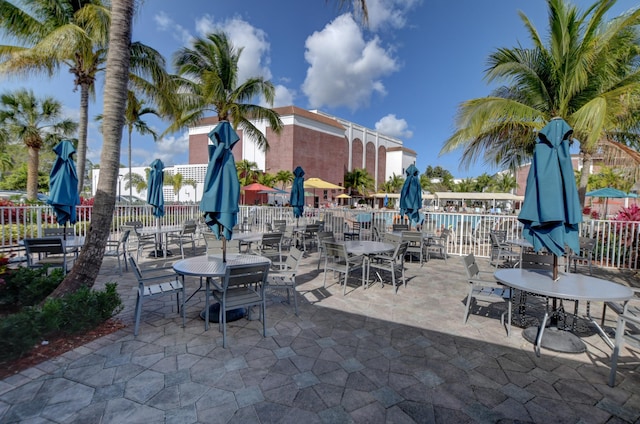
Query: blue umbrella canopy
(551, 211)
(609, 193)
(155, 195)
(221, 186)
(63, 184)
(297, 193)
(411, 195)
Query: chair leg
(466, 311)
(295, 299)
(138, 313)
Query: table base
(214, 312)
(556, 340)
(159, 253)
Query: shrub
(75, 312)
(28, 287)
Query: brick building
(323, 145)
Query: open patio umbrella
(322, 184)
(258, 188)
(63, 185)
(155, 194)
(551, 211)
(411, 195)
(221, 186)
(297, 193)
(607, 193)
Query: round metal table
(210, 267)
(568, 286)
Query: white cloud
(165, 23)
(394, 127)
(284, 96)
(391, 14)
(170, 150)
(344, 69)
(254, 60)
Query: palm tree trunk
(587, 163)
(82, 135)
(86, 268)
(130, 182)
(32, 173)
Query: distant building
(323, 145)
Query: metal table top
(212, 265)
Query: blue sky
(404, 75)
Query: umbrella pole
(555, 267)
(224, 243)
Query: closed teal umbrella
(221, 186)
(155, 195)
(63, 184)
(551, 211)
(297, 193)
(411, 195)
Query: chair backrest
(391, 238)
(214, 246)
(414, 238)
(335, 250)
(136, 270)
(376, 233)
(400, 227)
(401, 250)
(587, 245)
(245, 274)
(325, 236)
(271, 239)
(124, 237)
(498, 236)
(536, 261)
(470, 266)
(189, 227)
(50, 245)
(134, 224)
(60, 231)
(293, 259)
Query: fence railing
(617, 243)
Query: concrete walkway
(368, 357)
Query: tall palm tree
(209, 83)
(136, 109)
(285, 177)
(587, 74)
(193, 183)
(483, 181)
(72, 34)
(36, 123)
(86, 267)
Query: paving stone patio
(371, 356)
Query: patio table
(366, 248)
(160, 232)
(210, 267)
(568, 286)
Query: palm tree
(587, 75)
(36, 123)
(193, 183)
(176, 181)
(483, 181)
(136, 109)
(86, 267)
(504, 183)
(285, 177)
(247, 172)
(135, 180)
(209, 83)
(360, 181)
(467, 185)
(73, 34)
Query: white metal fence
(617, 243)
